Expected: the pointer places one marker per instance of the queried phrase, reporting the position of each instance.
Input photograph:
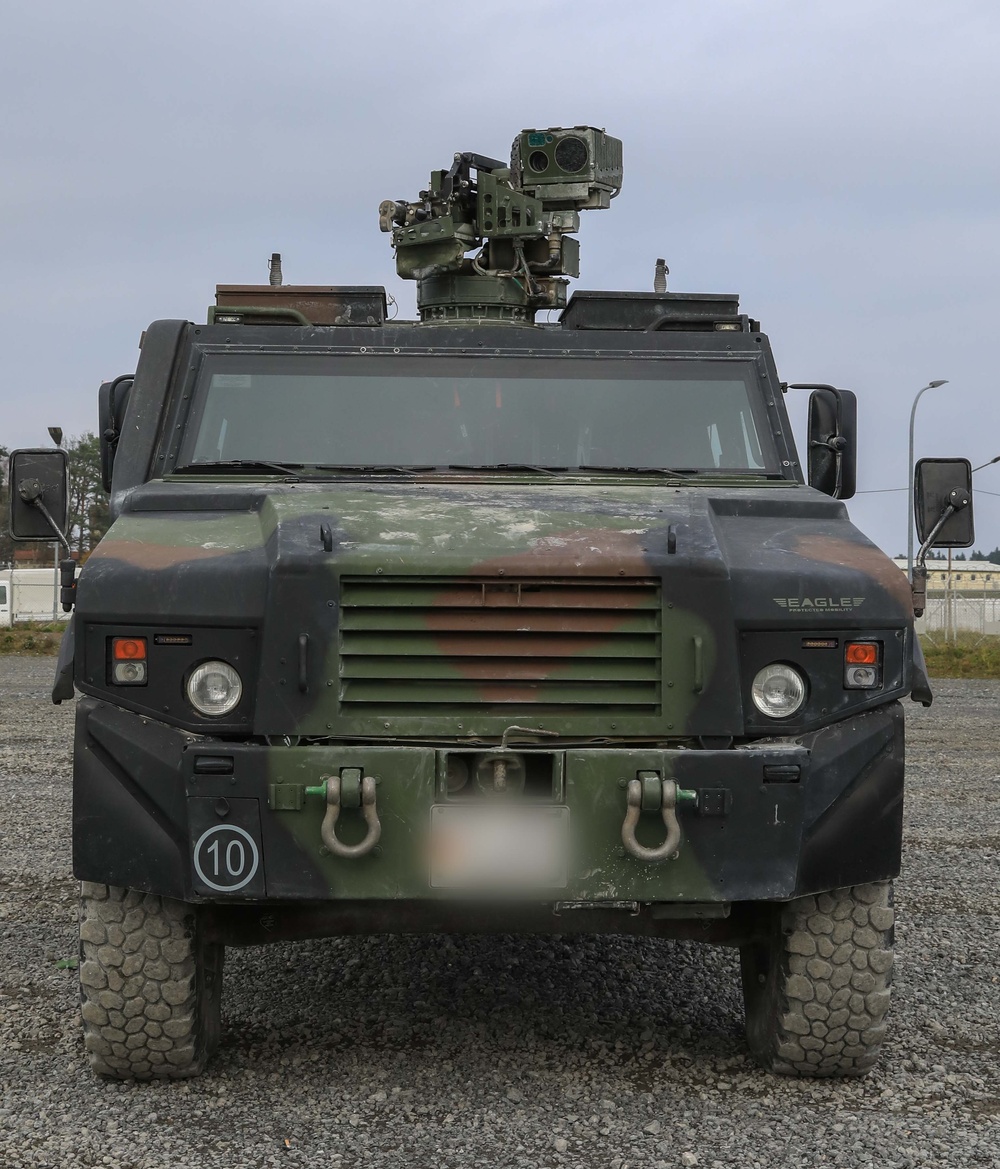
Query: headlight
(214, 688)
(778, 690)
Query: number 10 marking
(225, 865)
(233, 870)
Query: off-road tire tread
(150, 986)
(822, 1005)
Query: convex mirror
(937, 485)
(832, 438)
(112, 401)
(38, 486)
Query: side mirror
(940, 485)
(112, 401)
(833, 440)
(39, 494)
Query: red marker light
(128, 649)
(861, 653)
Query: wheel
(816, 989)
(150, 985)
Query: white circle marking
(255, 856)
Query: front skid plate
(237, 924)
(143, 815)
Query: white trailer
(27, 594)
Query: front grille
(410, 646)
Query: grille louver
(414, 646)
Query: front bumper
(774, 820)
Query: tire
(816, 990)
(150, 985)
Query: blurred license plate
(499, 846)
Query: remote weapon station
(483, 622)
(522, 219)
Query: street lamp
(56, 434)
(909, 491)
(995, 459)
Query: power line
(890, 490)
(887, 490)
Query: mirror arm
(30, 490)
(928, 544)
(836, 443)
(958, 499)
(918, 586)
(112, 434)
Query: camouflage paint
(452, 539)
(649, 603)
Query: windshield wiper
(504, 467)
(373, 467)
(295, 470)
(286, 469)
(685, 474)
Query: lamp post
(909, 510)
(56, 434)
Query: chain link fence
(954, 611)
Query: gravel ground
(510, 1052)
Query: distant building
(33, 555)
(971, 576)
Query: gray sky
(835, 164)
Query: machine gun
(519, 219)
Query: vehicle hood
(274, 557)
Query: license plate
(499, 846)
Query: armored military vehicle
(481, 622)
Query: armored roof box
(651, 311)
(297, 304)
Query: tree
(991, 557)
(88, 501)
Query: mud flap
(227, 856)
(62, 687)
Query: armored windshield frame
(545, 344)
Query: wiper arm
(373, 467)
(292, 470)
(687, 473)
(286, 469)
(504, 467)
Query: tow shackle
(669, 793)
(328, 829)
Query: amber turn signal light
(128, 649)
(861, 653)
(128, 661)
(862, 665)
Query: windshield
(301, 409)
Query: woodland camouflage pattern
(383, 624)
